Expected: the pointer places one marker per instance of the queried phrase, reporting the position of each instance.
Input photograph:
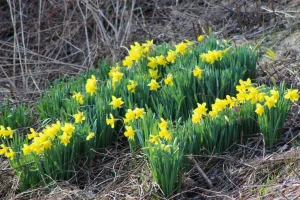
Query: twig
(208, 181)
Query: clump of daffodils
(247, 92)
(134, 114)
(91, 86)
(211, 56)
(6, 132)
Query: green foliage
(15, 116)
(195, 101)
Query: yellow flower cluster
(292, 95)
(111, 121)
(153, 85)
(129, 133)
(181, 48)
(246, 93)
(116, 102)
(169, 80)
(91, 85)
(7, 152)
(78, 97)
(79, 117)
(164, 133)
(134, 114)
(39, 142)
(90, 136)
(131, 87)
(198, 72)
(8, 132)
(199, 112)
(115, 74)
(200, 38)
(157, 61)
(211, 56)
(43, 140)
(136, 52)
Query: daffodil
(154, 139)
(153, 74)
(161, 60)
(146, 46)
(114, 69)
(50, 132)
(292, 95)
(164, 133)
(169, 80)
(212, 56)
(68, 129)
(37, 147)
(116, 102)
(90, 136)
(111, 121)
(163, 124)
(3, 150)
(259, 109)
(47, 144)
(181, 48)
(153, 63)
(117, 76)
(132, 86)
(136, 52)
(127, 62)
(139, 113)
(10, 154)
(91, 85)
(33, 134)
(200, 38)
(129, 116)
(270, 101)
(79, 117)
(78, 97)
(56, 126)
(196, 118)
(198, 72)
(26, 149)
(275, 94)
(8, 132)
(65, 139)
(171, 57)
(201, 109)
(129, 133)
(153, 85)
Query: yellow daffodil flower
(78, 97)
(90, 136)
(91, 85)
(153, 85)
(79, 117)
(68, 129)
(259, 109)
(132, 86)
(292, 95)
(116, 102)
(169, 80)
(198, 72)
(129, 133)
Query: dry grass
(43, 40)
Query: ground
(41, 41)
